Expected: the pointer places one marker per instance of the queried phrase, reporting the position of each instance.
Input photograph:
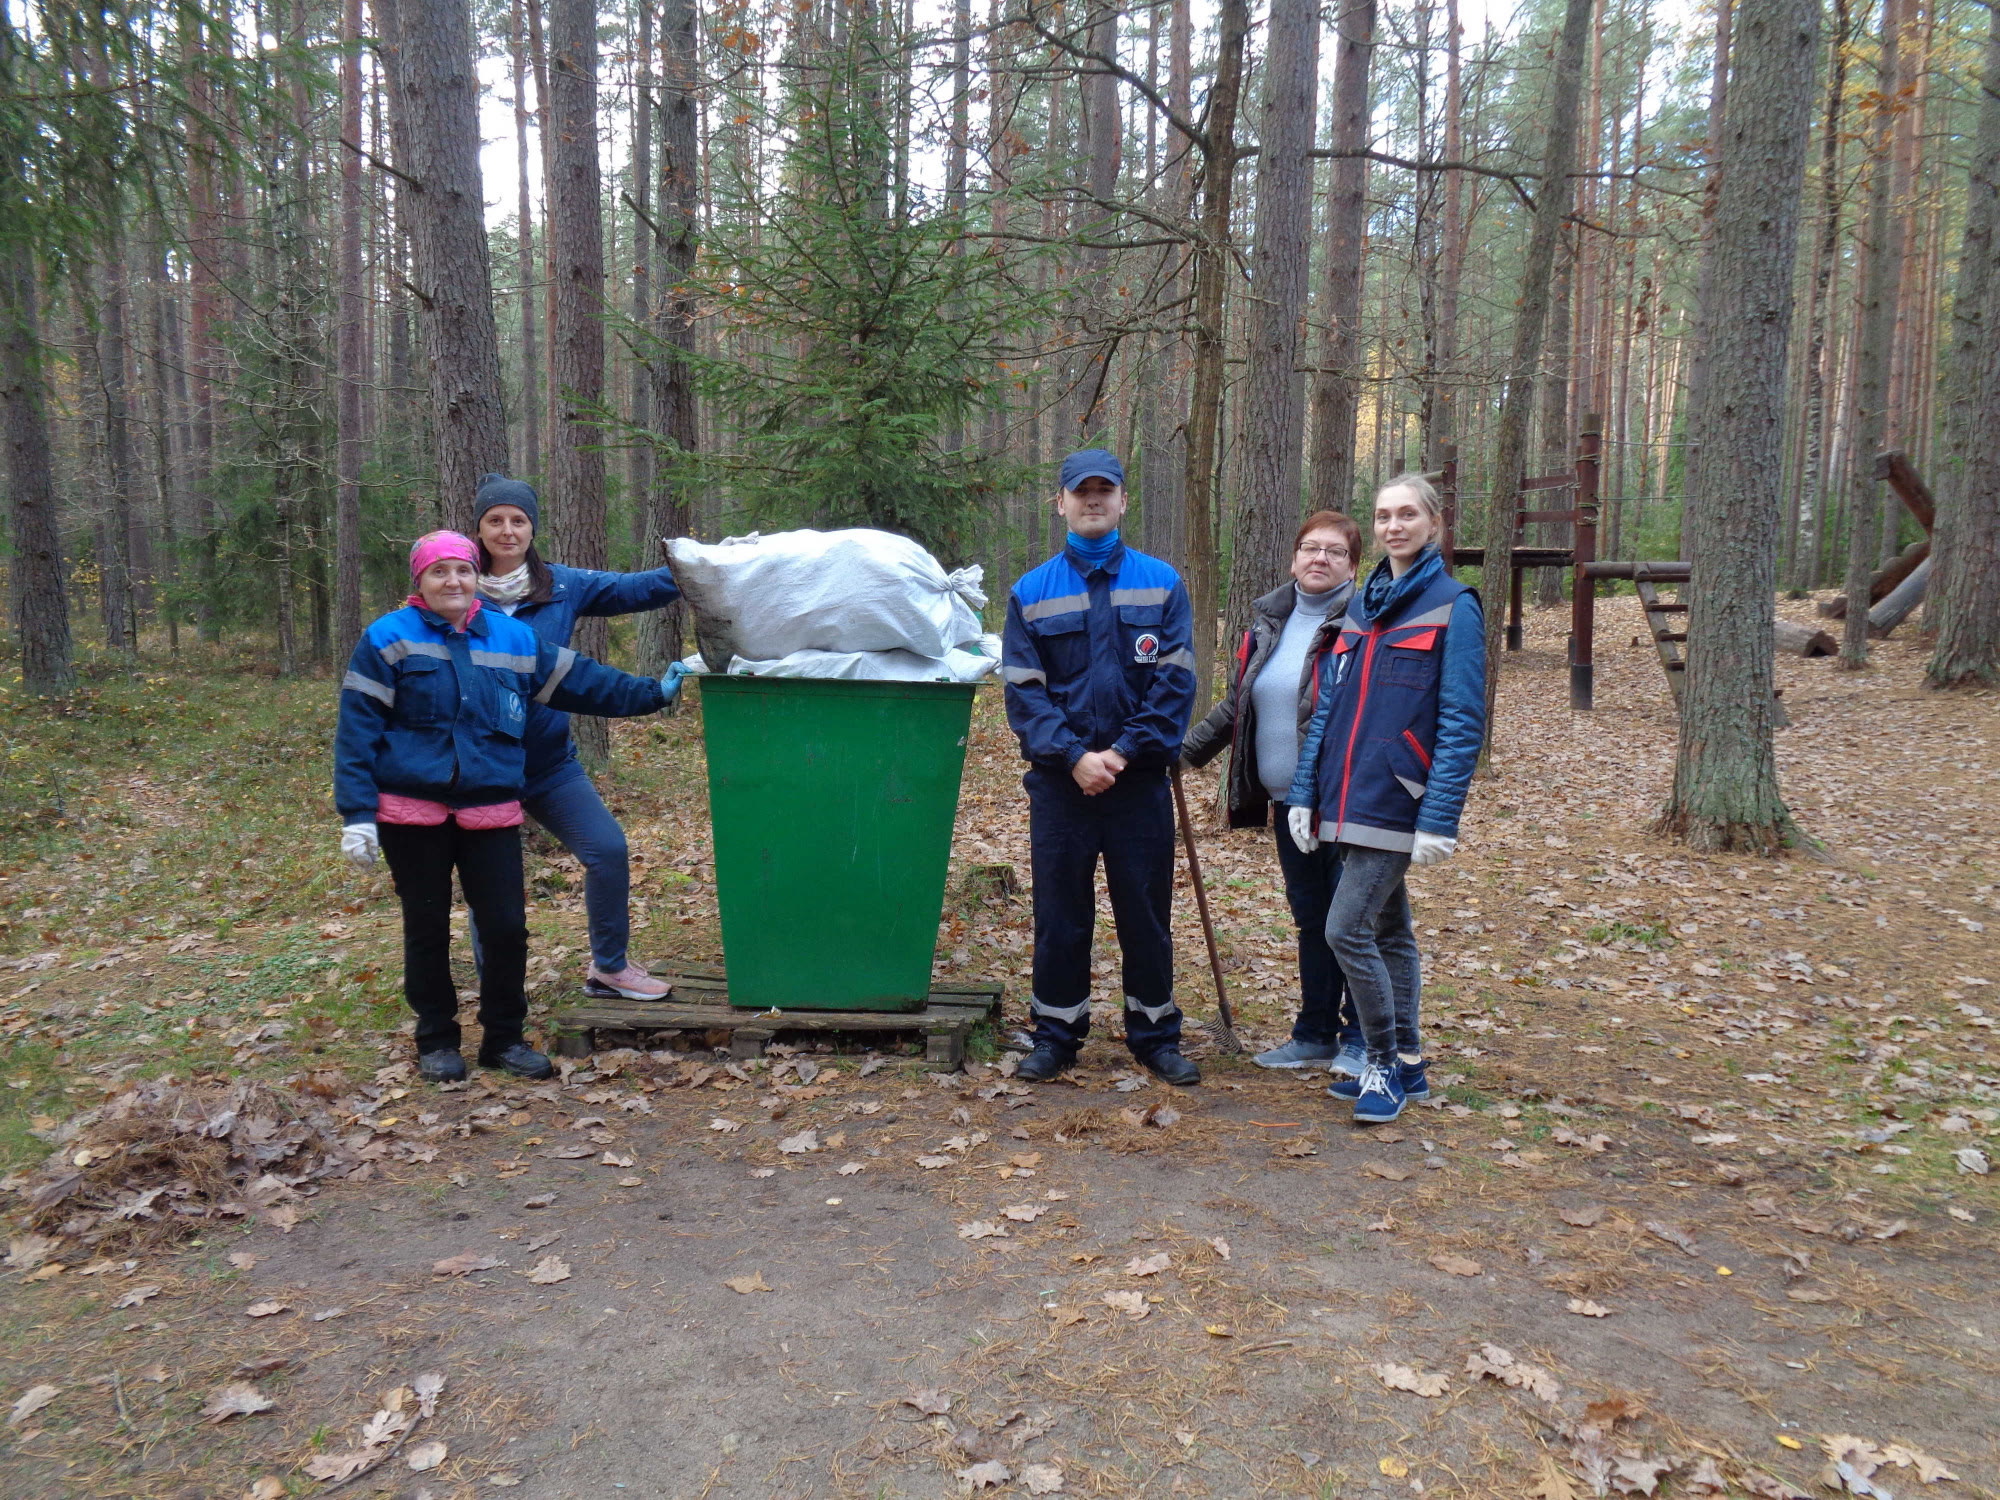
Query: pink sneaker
(630, 983)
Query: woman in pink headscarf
(428, 768)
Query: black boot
(1169, 1066)
(1044, 1063)
(441, 1066)
(519, 1059)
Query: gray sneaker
(1294, 1055)
(1350, 1060)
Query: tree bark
(1812, 480)
(1267, 512)
(433, 61)
(120, 612)
(41, 599)
(639, 464)
(1337, 383)
(1877, 326)
(1537, 272)
(678, 215)
(1211, 270)
(531, 364)
(1711, 196)
(1965, 604)
(351, 448)
(1725, 794)
(576, 237)
(1444, 415)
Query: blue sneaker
(1378, 1095)
(1414, 1077)
(1349, 1060)
(1295, 1054)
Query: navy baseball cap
(1092, 463)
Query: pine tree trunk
(120, 615)
(41, 599)
(639, 465)
(1877, 326)
(433, 52)
(678, 214)
(1552, 201)
(1336, 385)
(1704, 324)
(1725, 794)
(531, 363)
(1964, 600)
(351, 450)
(1825, 277)
(1267, 511)
(576, 237)
(1210, 334)
(1444, 415)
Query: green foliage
(869, 335)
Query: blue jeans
(1326, 1010)
(1131, 827)
(1368, 927)
(577, 817)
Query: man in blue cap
(1099, 667)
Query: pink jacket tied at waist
(392, 808)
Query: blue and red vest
(1375, 756)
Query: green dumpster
(832, 804)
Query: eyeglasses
(1331, 554)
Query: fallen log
(1883, 581)
(1803, 640)
(1892, 611)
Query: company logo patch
(1146, 648)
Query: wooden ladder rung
(1658, 608)
(1670, 635)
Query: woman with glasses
(1260, 720)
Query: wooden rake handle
(1201, 900)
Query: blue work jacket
(1099, 657)
(1401, 711)
(432, 712)
(575, 593)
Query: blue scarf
(1097, 552)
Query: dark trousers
(1326, 1011)
(574, 812)
(1131, 827)
(1368, 927)
(488, 862)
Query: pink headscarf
(433, 545)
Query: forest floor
(1702, 1207)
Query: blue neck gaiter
(1094, 552)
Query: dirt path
(1720, 1103)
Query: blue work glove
(670, 684)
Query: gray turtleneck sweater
(1274, 696)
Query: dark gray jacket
(1231, 724)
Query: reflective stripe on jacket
(573, 594)
(432, 712)
(1099, 658)
(1402, 711)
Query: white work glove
(1431, 848)
(358, 842)
(1300, 821)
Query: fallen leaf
(1553, 1484)
(983, 1476)
(1132, 1304)
(929, 1401)
(338, 1466)
(1495, 1363)
(1963, 1215)
(1025, 1213)
(725, 1126)
(1220, 1246)
(1678, 1238)
(1393, 1467)
(745, 1285)
(1384, 1171)
(1456, 1265)
(932, 1163)
(268, 1364)
(548, 1271)
(1639, 1476)
(243, 1260)
(798, 1145)
(1298, 1145)
(1384, 1224)
(631, 1182)
(1162, 1116)
(134, 1297)
(1808, 1294)
(327, 1314)
(1403, 1378)
(37, 1397)
(1042, 1479)
(266, 1309)
(1786, 1440)
(1148, 1265)
(1929, 1470)
(237, 1399)
(982, 1229)
(266, 1488)
(466, 1262)
(1585, 1308)
(426, 1388)
(1972, 1160)
(1707, 1478)
(1890, 1230)
(763, 1171)
(540, 1200)
(506, 1479)
(611, 1159)
(1612, 1410)
(27, 1251)
(426, 1456)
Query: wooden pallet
(700, 1002)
